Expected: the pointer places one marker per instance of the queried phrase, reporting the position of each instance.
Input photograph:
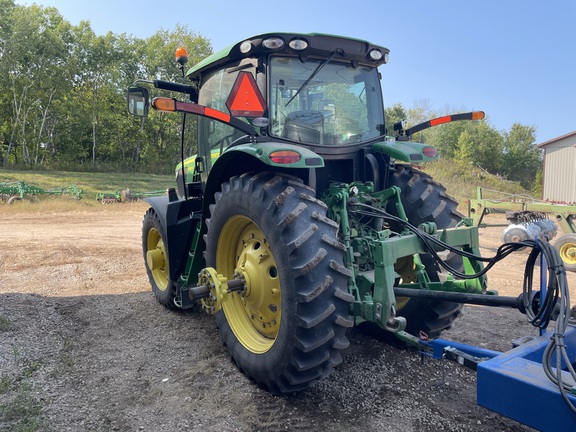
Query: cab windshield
(328, 104)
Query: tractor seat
(304, 126)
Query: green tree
(62, 92)
(93, 127)
(6, 24)
(483, 147)
(97, 83)
(538, 183)
(393, 115)
(420, 112)
(157, 54)
(162, 132)
(34, 57)
(521, 158)
(466, 147)
(445, 138)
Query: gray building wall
(560, 169)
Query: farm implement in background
(126, 195)
(18, 190)
(528, 219)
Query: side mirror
(138, 101)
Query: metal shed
(560, 169)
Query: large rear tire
(287, 329)
(425, 200)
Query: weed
(68, 345)
(66, 361)
(31, 368)
(5, 324)
(20, 410)
(23, 411)
(16, 353)
(5, 383)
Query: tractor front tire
(287, 328)
(156, 259)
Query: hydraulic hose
(557, 290)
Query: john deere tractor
(300, 216)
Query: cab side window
(214, 135)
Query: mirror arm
(175, 87)
(143, 81)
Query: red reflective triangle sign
(245, 99)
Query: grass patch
(5, 324)
(90, 183)
(66, 359)
(30, 368)
(461, 180)
(22, 413)
(22, 406)
(5, 383)
(20, 410)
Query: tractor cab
(309, 95)
(284, 101)
(317, 92)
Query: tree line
(63, 93)
(63, 103)
(511, 154)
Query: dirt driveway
(84, 346)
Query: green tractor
(299, 217)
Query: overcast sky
(513, 59)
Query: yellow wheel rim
(407, 270)
(253, 315)
(156, 259)
(568, 253)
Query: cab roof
(317, 45)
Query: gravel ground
(85, 347)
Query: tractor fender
(257, 157)
(265, 152)
(407, 151)
(262, 151)
(159, 204)
(178, 219)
